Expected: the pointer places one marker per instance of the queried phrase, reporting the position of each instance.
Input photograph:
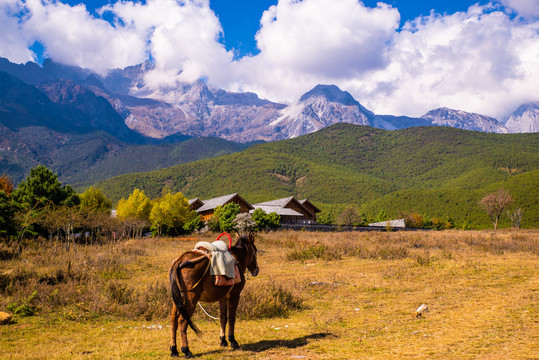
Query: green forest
(434, 171)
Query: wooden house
(208, 208)
(311, 208)
(291, 210)
(195, 204)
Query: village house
(208, 207)
(291, 210)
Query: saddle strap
(202, 277)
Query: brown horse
(191, 282)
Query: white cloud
(72, 36)
(13, 42)
(479, 61)
(482, 60)
(303, 43)
(525, 8)
(183, 39)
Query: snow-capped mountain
(197, 109)
(324, 105)
(525, 119)
(464, 120)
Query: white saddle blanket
(222, 261)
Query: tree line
(41, 207)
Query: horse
(191, 282)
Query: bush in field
(226, 215)
(413, 220)
(26, 308)
(244, 223)
(266, 221)
(193, 224)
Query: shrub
(27, 308)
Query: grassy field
(318, 296)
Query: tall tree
(93, 201)
(6, 185)
(41, 188)
(7, 214)
(349, 216)
(137, 206)
(495, 204)
(170, 213)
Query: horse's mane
(239, 243)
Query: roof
(220, 201)
(192, 201)
(279, 202)
(307, 202)
(277, 209)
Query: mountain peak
(331, 93)
(464, 120)
(525, 119)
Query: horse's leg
(232, 307)
(190, 307)
(222, 319)
(173, 330)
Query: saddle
(222, 264)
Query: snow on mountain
(323, 106)
(464, 120)
(525, 119)
(197, 109)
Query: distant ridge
(436, 171)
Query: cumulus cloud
(183, 38)
(13, 42)
(525, 8)
(482, 60)
(303, 43)
(479, 60)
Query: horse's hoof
(188, 354)
(233, 343)
(174, 351)
(223, 341)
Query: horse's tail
(177, 297)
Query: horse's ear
(251, 237)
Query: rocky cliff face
(85, 109)
(525, 119)
(196, 109)
(464, 120)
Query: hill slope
(363, 166)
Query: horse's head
(247, 243)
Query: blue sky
(395, 57)
(240, 19)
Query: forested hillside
(436, 171)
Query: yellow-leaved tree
(170, 213)
(135, 211)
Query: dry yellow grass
(359, 294)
